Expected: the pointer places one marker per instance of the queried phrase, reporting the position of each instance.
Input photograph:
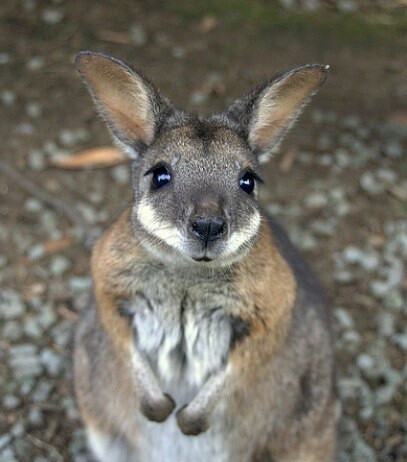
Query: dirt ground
(338, 185)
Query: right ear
(131, 107)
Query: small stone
(347, 6)
(78, 284)
(11, 402)
(52, 362)
(36, 252)
(178, 52)
(4, 58)
(316, 200)
(42, 391)
(36, 160)
(33, 110)
(59, 265)
(198, 98)
(47, 316)
(32, 328)
(36, 417)
(400, 340)
(344, 318)
(35, 63)
(18, 429)
(8, 97)
(52, 16)
(343, 276)
(393, 149)
(369, 184)
(33, 205)
(11, 304)
(365, 362)
(386, 324)
(121, 174)
(5, 440)
(12, 330)
(138, 35)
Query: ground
(338, 185)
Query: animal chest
(184, 329)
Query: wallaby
(208, 338)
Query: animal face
(195, 191)
(195, 179)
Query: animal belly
(164, 442)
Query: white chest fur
(185, 333)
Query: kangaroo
(208, 338)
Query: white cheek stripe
(238, 238)
(161, 229)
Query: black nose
(208, 228)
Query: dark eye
(247, 182)
(161, 176)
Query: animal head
(195, 179)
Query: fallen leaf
(114, 37)
(91, 158)
(208, 24)
(288, 159)
(56, 245)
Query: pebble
(79, 284)
(343, 318)
(393, 149)
(24, 361)
(52, 362)
(52, 16)
(178, 52)
(7, 97)
(121, 174)
(4, 58)
(59, 265)
(138, 35)
(198, 98)
(11, 304)
(5, 439)
(369, 184)
(11, 402)
(35, 417)
(316, 200)
(400, 340)
(12, 330)
(32, 328)
(33, 205)
(36, 160)
(35, 63)
(42, 391)
(365, 362)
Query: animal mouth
(204, 259)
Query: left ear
(266, 114)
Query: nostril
(208, 229)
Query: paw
(158, 410)
(191, 423)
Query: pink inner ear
(281, 104)
(121, 97)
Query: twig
(56, 204)
(45, 446)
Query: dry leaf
(207, 24)
(114, 37)
(56, 245)
(288, 160)
(91, 158)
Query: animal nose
(208, 228)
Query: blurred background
(338, 185)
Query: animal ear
(131, 107)
(266, 114)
